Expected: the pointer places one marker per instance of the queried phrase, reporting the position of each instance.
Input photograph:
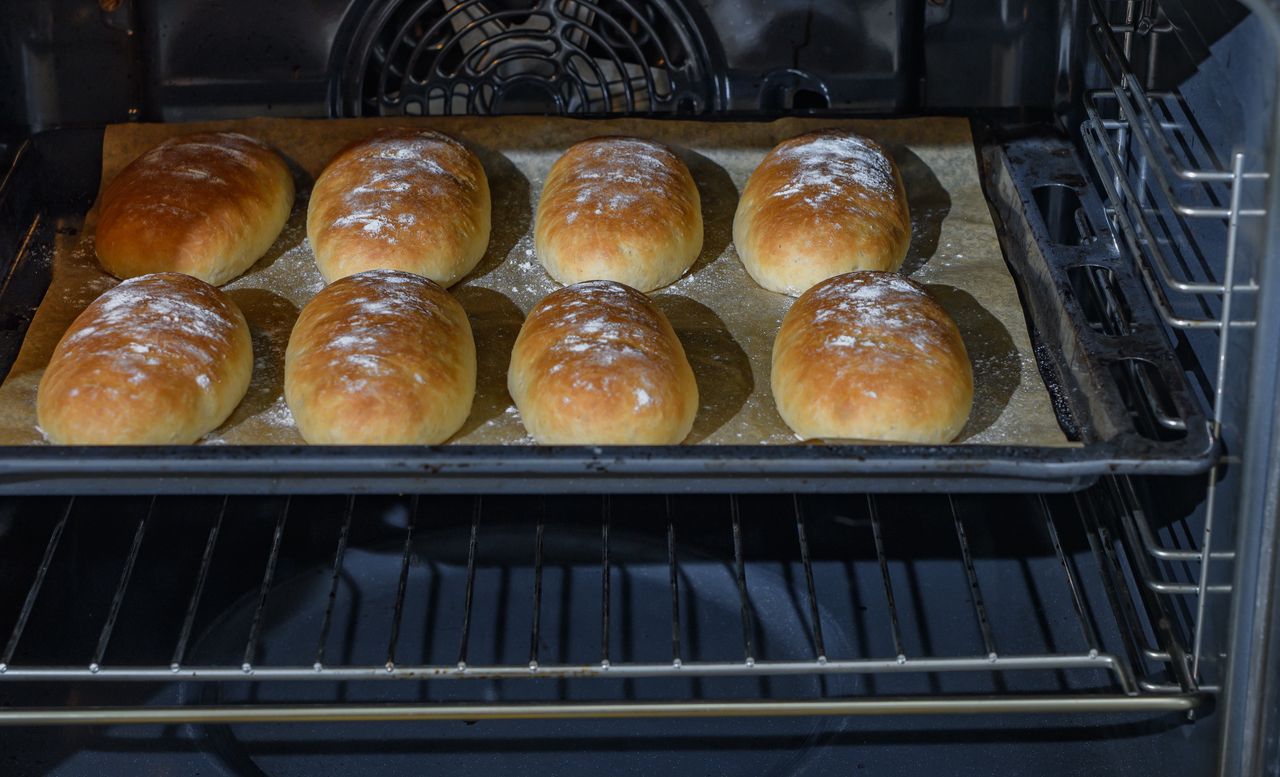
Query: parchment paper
(726, 322)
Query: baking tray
(54, 178)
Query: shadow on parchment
(929, 204)
(495, 322)
(511, 209)
(719, 202)
(271, 318)
(720, 366)
(295, 228)
(997, 368)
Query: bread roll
(208, 205)
(871, 356)
(160, 359)
(598, 364)
(619, 209)
(380, 358)
(404, 199)
(819, 205)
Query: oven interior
(908, 621)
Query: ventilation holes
(1104, 305)
(1063, 216)
(538, 56)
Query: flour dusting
(385, 184)
(873, 318)
(161, 327)
(835, 165)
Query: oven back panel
(77, 63)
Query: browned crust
(403, 199)
(159, 359)
(207, 205)
(382, 357)
(871, 355)
(598, 363)
(619, 208)
(821, 204)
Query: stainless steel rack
(1181, 210)
(1166, 186)
(1113, 647)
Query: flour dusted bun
(404, 199)
(598, 364)
(380, 358)
(160, 359)
(819, 205)
(208, 205)
(619, 209)
(871, 356)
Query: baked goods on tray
(208, 205)
(382, 357)
(871, 356)
(598, 363)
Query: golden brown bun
(619, 209)
(819, 205)
(380, 358)
(871, 356)
(598, 364)
(208, 205)
(159, 359)
(404, 199)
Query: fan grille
(441, 57)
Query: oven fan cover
(442, 57)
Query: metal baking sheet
(725, 321)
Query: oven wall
(70, 62)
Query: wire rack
(845, 591)
(1181, 211)
(1171, 197)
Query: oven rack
(1178, 208)
(1102, 643)
(1186, 216)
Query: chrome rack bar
(566, 710)
(975, 590)
(1211, 499)
(29, 602)
(255, 626)
(1112, 576)
(471, 584)
(674, 576)
(740, 573)
(104, 638)
(1077, 600)
(1094, 146)
(761, 668)
(820, 648)
(334, 576)
(1133, 526)
(1152, 545)
(1119, 72)
(606, 509)
(886, 580)
(402, 583)
(1122, 195)
(536, 619)
(1162, 621)
(197, 591)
